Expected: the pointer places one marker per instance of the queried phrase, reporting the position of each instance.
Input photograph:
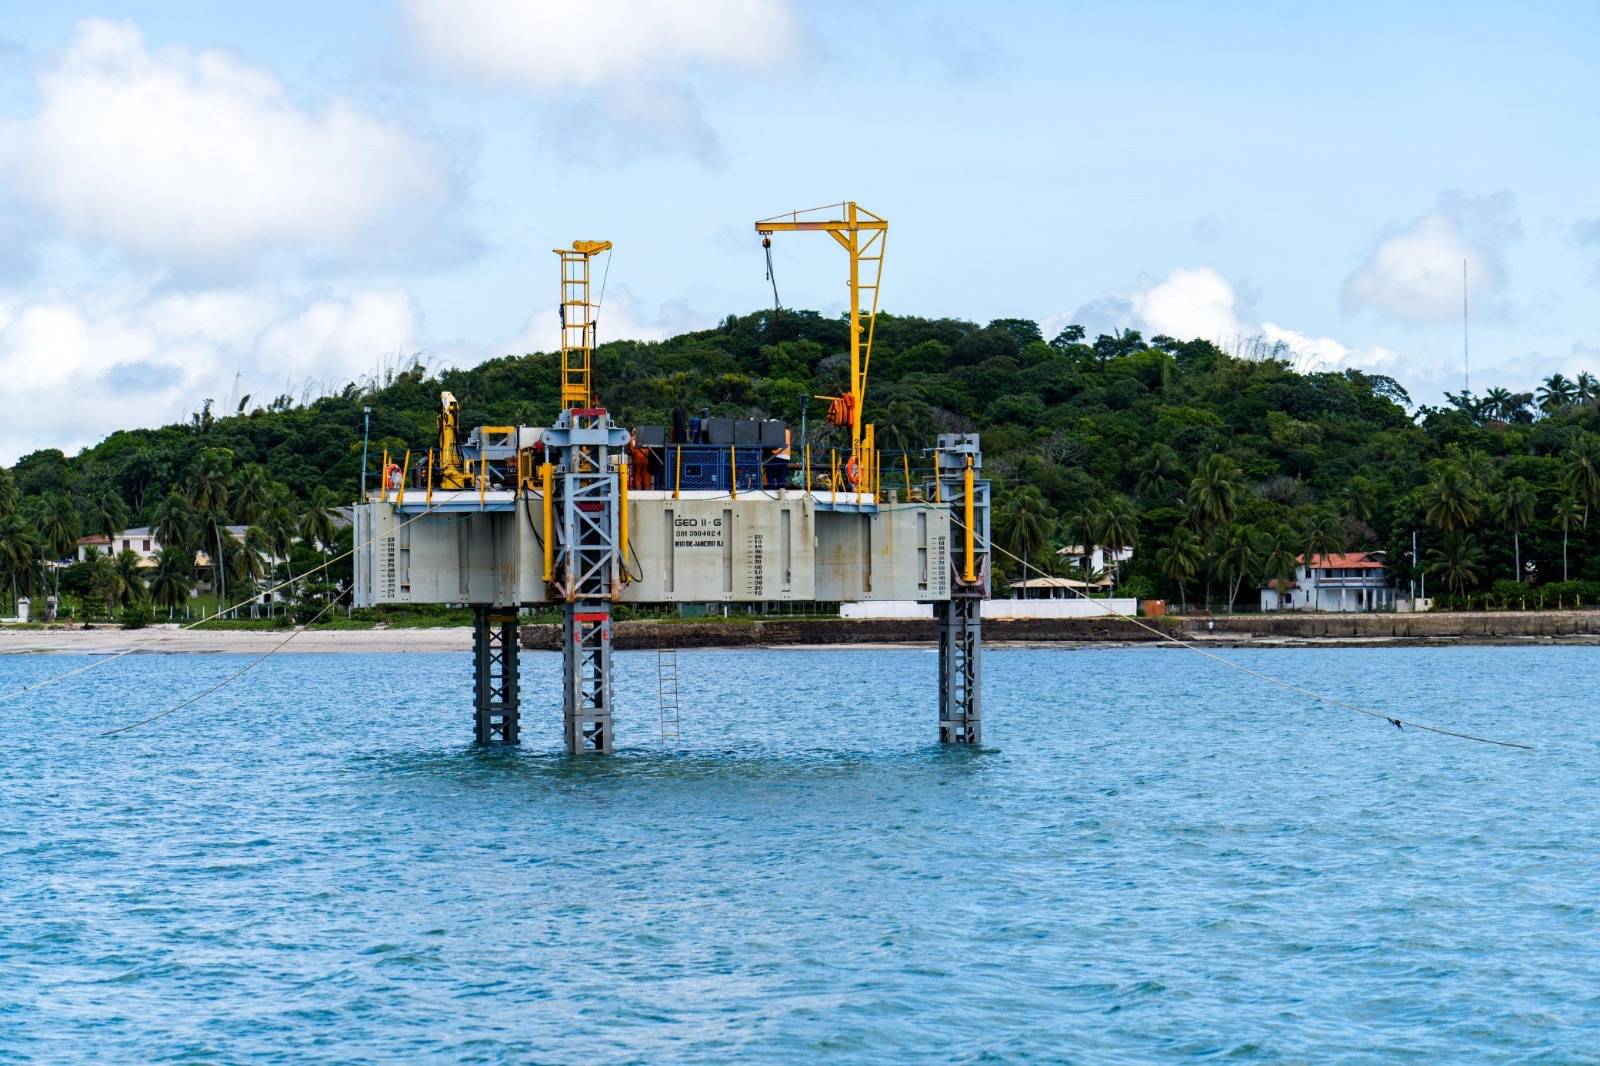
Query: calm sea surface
(1153, 858)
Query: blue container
(711, 468)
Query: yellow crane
(863, 236)
(452, 472)
(577, 324)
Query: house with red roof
(1340, 581)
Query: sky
(203, 200)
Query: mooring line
(1399, 723)
(230, 679)
(156, 639)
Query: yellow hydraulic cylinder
(428, 499)
(970, 576)
(547, 479)
(905, 457)
(622, 515)
(483, 479)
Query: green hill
(1218, 469)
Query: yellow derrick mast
(577, 324)
(863, 236)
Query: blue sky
(201, 199)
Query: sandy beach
(158, 640)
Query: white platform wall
(1074, 608)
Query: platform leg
(586, 676)
(960, 623)
(496, 666)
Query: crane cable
(231, 678)
(156, 639)
(594, 323)
(1399, 723)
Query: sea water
(1151, 857)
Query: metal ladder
(667, 692)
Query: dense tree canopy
(1217, 468)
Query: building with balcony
(1345, 581)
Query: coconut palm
(317, 523)
(1580, 472)
(1160, 472)
(1515, 507)
(176, 525)
(128, 563)
(1235, 556)
(59, 525)
(1277, 563)
(257, 553)
(106, 582)
(108, 515)
(173, 578)
(1458, 560)
(208, 496)
(1026, 524)
(252, 493)
(1497, 403)
(1586, 388)
(1556, 392)
(19, 555)
(1214, 492)
(1179, 561)
(1568, 513)
(1450, 500)
(1324, 535)
(1359, 494)
(1119, 527)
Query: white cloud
(1414, 272)
(1200, 303)
(548, 46)
(198, 161)
(621, 64)
(132, 360)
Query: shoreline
(1508, 629)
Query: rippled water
(1151, 859)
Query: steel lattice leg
(496, 664)
(960, 670)
(586, 673)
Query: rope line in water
(1399, 723)
(157, 638)
(230, 679)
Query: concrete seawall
(1510, 627)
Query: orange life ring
(852, 472)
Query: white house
(1346, 581)
(1095, 560)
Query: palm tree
(59, 525)
(1587, 389)
(1458, 560)
(317, 523)
(1515, 508)
(1556, 392)
(176, 525)
(1451, 498)
(173, 578)
(1214, 492)
(208, 495)
(1160, 471)
(106, 582)
(1026, 524)
(1119, 528)
(108, 515)
(1359, 493)
(281, 529)
(19, 555)
(252, 494)
(1277, 562)
(1568, 513)
(1324, 536)
(1497, 403)
(1580, 472)
(1179, 561)
(1235, 556)
(127, 562)
(257, 551)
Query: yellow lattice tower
(577, 323)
